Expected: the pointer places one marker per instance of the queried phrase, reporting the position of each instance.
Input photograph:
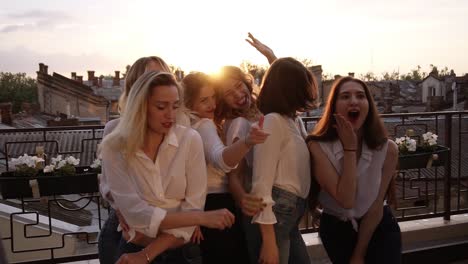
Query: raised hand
(256, 134)
(345, 132)
(262, 48)
(219, 219)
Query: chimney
(351, 74)
(337, 77)
(5, 112)
(100, 80)
(45, 69)
(73, 75)
(116, 81)
(179, 74)
(90, 75)
(79, 79)
(41, 67)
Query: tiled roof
(81, 143)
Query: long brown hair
(374, 132)
(223, 111)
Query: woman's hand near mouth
(346, 132)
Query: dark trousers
(109, 240)
(223, 246)
(186, 254)
(339, 239)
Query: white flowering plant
(406, 144)
(429, 141)
(96, 166)
(27, 165)
(62, 166)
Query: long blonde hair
(129, 135)
(137, 69)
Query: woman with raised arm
(281, 166)
(354, 164)
(218, 246)
(157, 176)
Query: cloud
(21, 59)
(35, 20)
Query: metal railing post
(448, 167)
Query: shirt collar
(366, 152)
(169, 139)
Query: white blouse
(369, 176)
(282, 161)
(144, 190)
(214, 147)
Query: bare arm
(343, 188)
(250, 204)
(269, 253)
(157, 246)
(373, 217)
(262, 48)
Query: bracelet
(147, 257)
(350, 150)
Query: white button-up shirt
(144, 190)
(282, 161)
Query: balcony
(432, 202)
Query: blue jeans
(186, 254)
(289, 210)
(109, 240)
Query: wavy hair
(223, 111)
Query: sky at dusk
(341, 35)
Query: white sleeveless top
(369, 175)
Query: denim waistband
(276, 191)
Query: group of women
(206, 171)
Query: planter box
(14, 186)
(420, 159)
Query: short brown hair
(288, 87)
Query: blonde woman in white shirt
(354, 167)
(281, 165)
(156, 175)
(217, 246)
(109, 236)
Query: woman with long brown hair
(354, 163)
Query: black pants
(339, 239)
(223, 246)
(186, 254)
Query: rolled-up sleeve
(213, 145)
(266, 158)
(195, 193)
(137, 212)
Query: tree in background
(17, 88)
(369, 76)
